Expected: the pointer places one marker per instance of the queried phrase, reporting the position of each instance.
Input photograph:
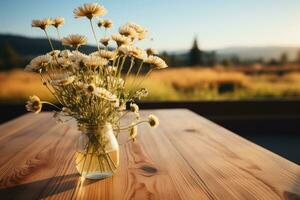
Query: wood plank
(186, 157)
(36, 163)
(232, 167)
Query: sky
(172, 24)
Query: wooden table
(186, 157)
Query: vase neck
(95, 129)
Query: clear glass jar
(97, 152)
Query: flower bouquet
(94, 89)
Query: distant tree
(260, 61)
(284, 58)
(195, 54)
(172, 61)
(212, 58)
(165, 56)
(225, 62)
(273, 61)
(9, 56)
(235, 60)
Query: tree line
(10, 58)
(198, 57)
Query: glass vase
(97, 152)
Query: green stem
(46, 102)
(130, 68)
(139, 84)
(91, 158)
(114, 61)
(53, 93)
(100, 162)
(121, 66)
(137, 74)
(95, 37)
(49, 40)
(130, 126)
(139, 70)
(51, 46)
(85, 157)
(106, 156)
(123, 115)
(58, 36)
(117, 66)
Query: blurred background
(235, 62)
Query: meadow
(176, 84)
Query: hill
(27, 47)
(265, 53)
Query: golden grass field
(175, 84)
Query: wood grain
(186, 157)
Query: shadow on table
(294, 191)
(43, 188)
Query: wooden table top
(186, 157)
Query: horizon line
(178, 49)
